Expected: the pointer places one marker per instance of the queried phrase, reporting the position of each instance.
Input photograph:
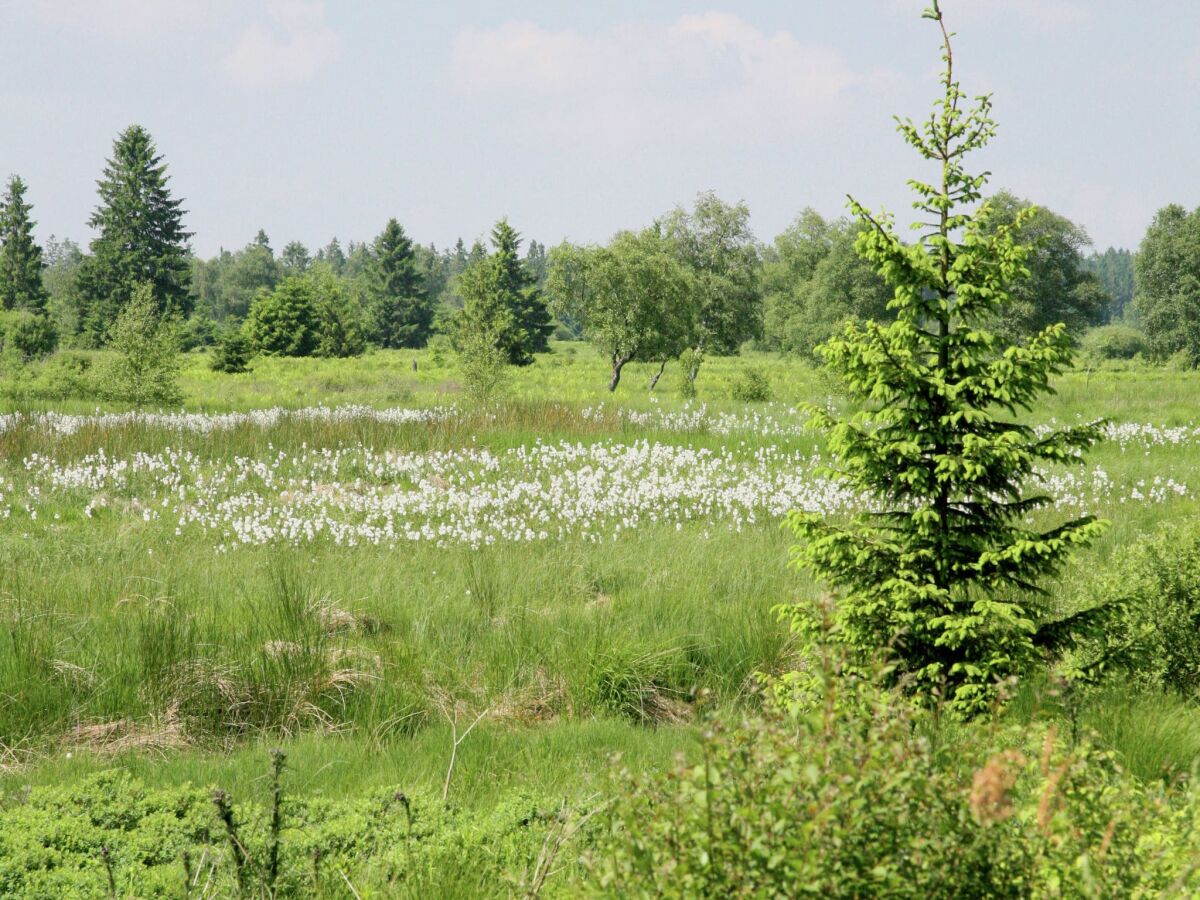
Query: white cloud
(292, 49)
(703, 72)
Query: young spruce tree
(20, 258)
(946, 570)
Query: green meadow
(140, 637)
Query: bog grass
(125, 644)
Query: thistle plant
(947, 570)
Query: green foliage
(631, 298)
(54, 843)
(146, 368)
(284, 322)
(751, 386)
(1156, 585)
(26, 335)
(307, 315)
(716, 244)
(851, 798)
(501, 300)
(1115, 341)
(232, 353)
(1167, 269)
(1059, 287)
(401, 310)
(946, 570)
(814, 281)
(341, 331)
(1114, 269)
(690, 361)
(141, 238)
(20, 258)
(482, 359)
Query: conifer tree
(141, 237)
(402, 313)
(499, 296)
(20, 258)
(947, 569)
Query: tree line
(696, 282)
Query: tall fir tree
(401, 310)
(946, 570)
(141, 237)
(21, 262)
(521, 294)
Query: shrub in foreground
(856, 798)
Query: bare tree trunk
(657, 375)
(618, 363)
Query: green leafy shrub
(851, 798)
(232, 353)
(1115, 342)
(146, 367)
(1156, 584)
(25, 335)
(198, 331)
(751, 386)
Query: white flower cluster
(63, 424)
(355, 495)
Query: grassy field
(584, 574)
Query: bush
(854, 800)
(146, 369)
(283, 322)
(197, 332)
(307, 315)
(483, 362)
(1115, 342)
(25, 335)
(1156, 584)
(232, 353)
(751, 386)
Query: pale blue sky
(576, 119)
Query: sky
(312, 119)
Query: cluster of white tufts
(62, 424)
(353, 495)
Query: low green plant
(109, 835)
(751, 386)
(1155, 583)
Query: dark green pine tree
(20, 258)
(521, 295)
(141, 237)
(948, 568)
(401, 311)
